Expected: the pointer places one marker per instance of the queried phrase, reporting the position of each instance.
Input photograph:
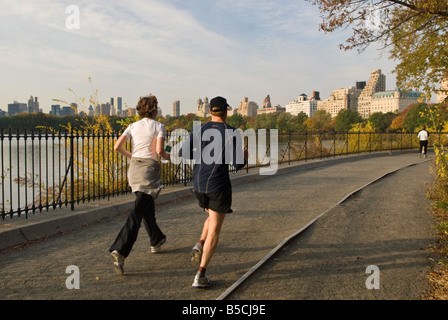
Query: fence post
(306, 145)
(185, 173)
(289, 147)
(359, 138)
(346, 143)
(334, 144)
(72, 173)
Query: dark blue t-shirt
(213, 146)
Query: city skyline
(176, 51)
(365, 97)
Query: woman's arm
(160, 148)
(119, 146)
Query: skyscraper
(203, 108)
(247, 108)
(112, 109)
(16, 107)
(118, 104)
(176, 108)
(376, 83)
(33, 105)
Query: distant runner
(423, 135)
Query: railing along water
(43, 170)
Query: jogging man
(213, 145)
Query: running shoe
(196, 254)
(118, 261)
(201, 281)
(158, 246)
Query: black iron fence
(43, 170)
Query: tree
(413, 119)
(321, 121)
(265, 121)
(237, 121)
(381, 121)
(414, 32)
(285, 122)
(345, 119)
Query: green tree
(382, 121)
(321, 121)
(345, 119)
(413, 119)
(237, 121)
(299, 122)
(414, 32)
(285, 122)
(266, 121)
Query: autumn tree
(414, 32)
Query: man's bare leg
(196, 252)
(215, 221)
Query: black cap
(218, 104)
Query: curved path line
(295, 234)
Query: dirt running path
(387, 225)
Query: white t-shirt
(144, 134)
(423, 135)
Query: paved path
(387, 225)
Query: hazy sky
(175, 49)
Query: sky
(176, 50)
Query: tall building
(370, 97)
(67, 111)
(119, 105)
(203, 108)
(16, 108)
(33, 105)
(231, 111)
(176, 108)
(103, 109)
(55, 110)
(360, 85)
(267, 102)
(268, 108)
(247, 108)
(113, 108)
(131, 112)
(341, 99)
(302, 104)
(376, 83)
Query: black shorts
(219, 201)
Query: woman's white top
(144, 134)
(423, 135)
